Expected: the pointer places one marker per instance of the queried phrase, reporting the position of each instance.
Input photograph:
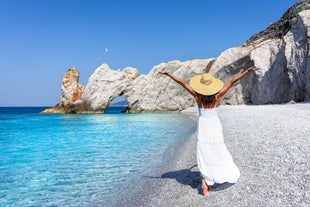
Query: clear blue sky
(41, 39)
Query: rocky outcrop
(157, 93)
(71, 92)
(144, 93)
(281, 52)
(279, 29)
(103, 86)
(284, 73)
(71, 89)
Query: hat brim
(215, 87)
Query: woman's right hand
(164, 73)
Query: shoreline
(268, 143)
(167, 173)
(159, 178)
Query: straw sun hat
(206, 84)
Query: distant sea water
(81, 160)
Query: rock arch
(144, 93)
(118, 105)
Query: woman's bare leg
(204, 187)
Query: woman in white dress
(214, 160)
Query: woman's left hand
(164, 73)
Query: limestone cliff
(281, 52)
(282, 57)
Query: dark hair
(207, 99)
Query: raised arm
(182, 83)
(223, 91)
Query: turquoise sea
(81, 160)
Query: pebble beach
(270, 145)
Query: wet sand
(270, 145)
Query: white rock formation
(103, 86)
(284, 67)
(155, 92)
(281, 52)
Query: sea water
(81, 160)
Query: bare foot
(205, 190)
(204, 187)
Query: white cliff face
(269, 58)
(283, 63)
(305, 22)
(284, 75)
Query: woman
(214, 160)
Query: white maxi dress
(214, 160)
